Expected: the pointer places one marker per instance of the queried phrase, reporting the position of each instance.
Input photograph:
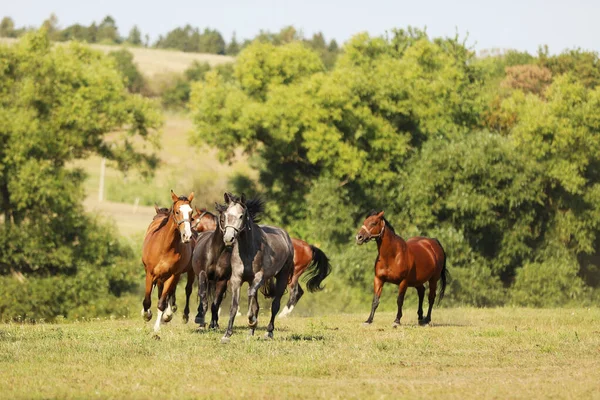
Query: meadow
(465, 353)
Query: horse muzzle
(360, 239)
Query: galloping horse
(259, 255)
(166, 253)
(306, 258)
(405, 263)
(211, 264)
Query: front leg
(401, 292)
(236, 284)
(377, 287)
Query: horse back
(303, 254)
(428, 257)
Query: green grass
(467, 353)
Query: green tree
(7, 27)
(233, 48)
(108, 31)
(133, 77)
(135, 36)
(58, 105)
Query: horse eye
(241, 216)
(373, 224)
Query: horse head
(372, 227)
(233, 218)
(182, 215)
(204, 220)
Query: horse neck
(388, 238)
(250, 235)
(171, 232)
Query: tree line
(187, 38)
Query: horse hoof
(186, 319)
(199, 320)
(225, 340)
(269, 335)
(395, 324)
(424, 322)
(367, 323)
(174, 307)
(167, 318)
(253, 324)
(147, 315)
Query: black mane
(375, 212)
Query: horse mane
(375, 212)
(256, 206)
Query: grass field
(467, 353)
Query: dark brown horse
(404, 263)
(166, 253)
(310, 259)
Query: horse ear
(380, 215)
(174, 196)
(243, 198)
(191, 197)
(156, 208)
(227, 197)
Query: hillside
(152, 62)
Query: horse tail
(444, 274)
(211, 290)
(268, 289)
(318, 269)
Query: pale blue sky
(518, 24)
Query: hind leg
(188, 292)
(146, 311)
(432, 288)
(280, 285)
(401, 292)
(421, 293)
(295, 294)
(220, 288)
(203, 302)
(171, 306)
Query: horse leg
(236, 284)
(162, 303)
(253, 309)
(432, 288)
(401, 292)
(280, 285)
(188, 292)
(256, 283)
(203, 302)
(146, 311)
(421, 293)
(171, 307)
(295, 293)
(221, 287)
(377, 287)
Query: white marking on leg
(158, 320)
(284, 312)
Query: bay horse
(166, 252)
(259, 256)
(404, 263)
(310, 259)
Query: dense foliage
(56, 106)
(499, 158)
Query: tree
(234, 47)
(107, 31)
(124, 62)
(7, 27)
(135, 36)
(51, 26)
(59, 105)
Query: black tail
(318, 270)
(211, 291)
(444, 276)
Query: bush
(550, 283)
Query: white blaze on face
(185, 210)
(233, 223)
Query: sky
(509, 24)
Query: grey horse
(259, 256)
